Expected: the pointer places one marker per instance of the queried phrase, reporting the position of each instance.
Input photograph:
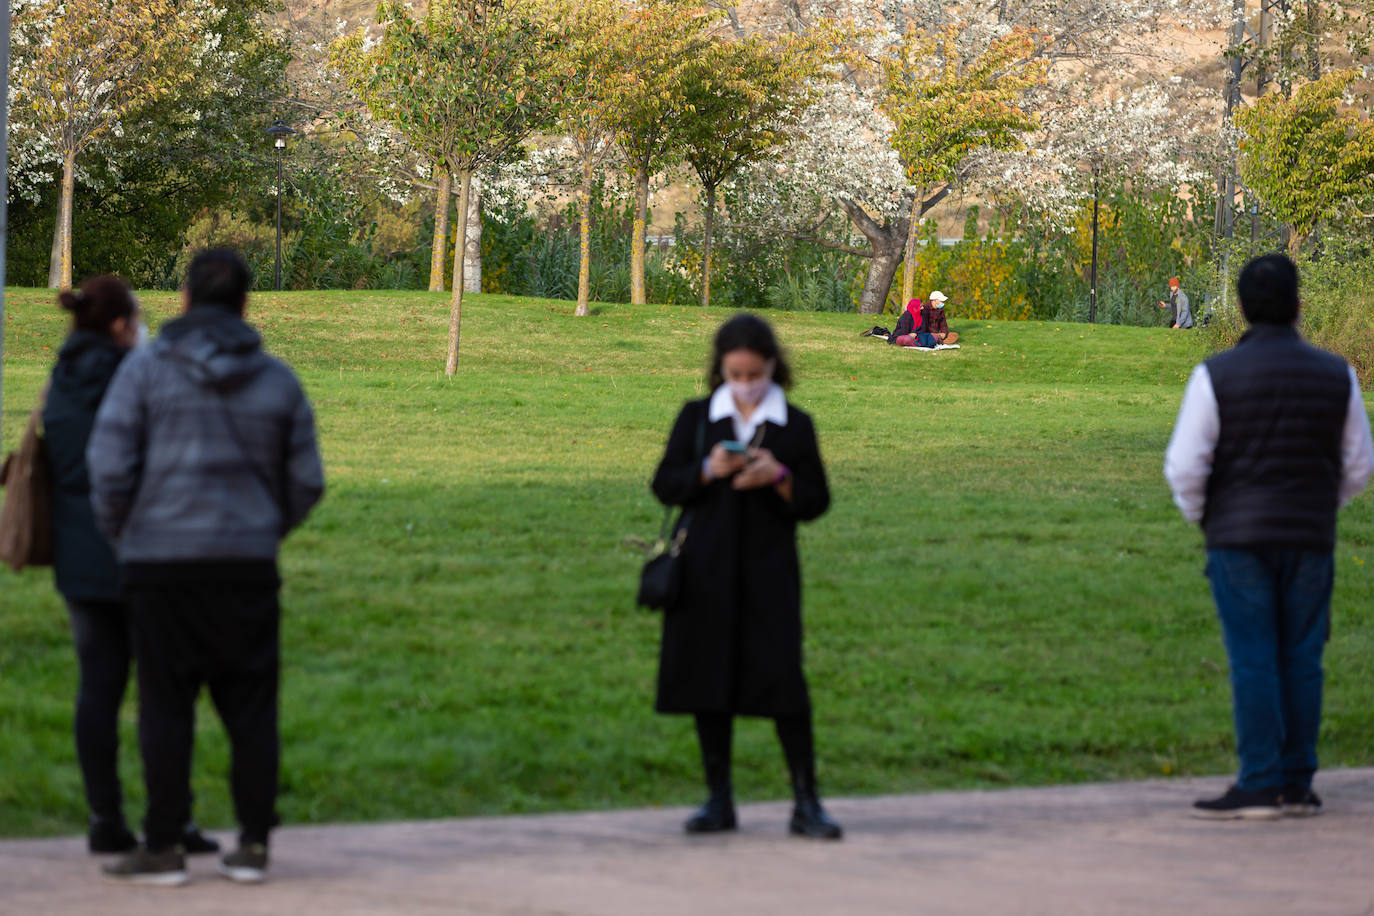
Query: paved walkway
(1096, 849)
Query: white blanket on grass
(927, 349)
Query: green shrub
(1337, 290)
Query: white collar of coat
(773, 407)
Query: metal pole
(1226, 184)
(278, 219)
(1092, 280)
(4, 181)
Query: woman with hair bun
(105, 326)
(745, 465)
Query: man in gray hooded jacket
(202, 459)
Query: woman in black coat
(105, 326)
(732, 642)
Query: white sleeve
(1357, 450)
(1188, 459)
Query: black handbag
(660, 581)
(661, 578)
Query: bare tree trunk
(1314, 60)
(882, 267)
(439, 251)
(909, 275)
(472, 248)
(888, 241)
(1293, 240)
(637, 291)
(706, 247)
(55, 252)
(584, 259)
(60, 264)
(455, 315)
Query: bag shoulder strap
(700, 452)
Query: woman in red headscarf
(909, 331)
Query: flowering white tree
(81, 67)
(844, 162)
(1151, 135)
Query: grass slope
(1002, 593)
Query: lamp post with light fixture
(1092, 278)
(279, 132)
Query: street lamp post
(1092, 278)
(279, 132)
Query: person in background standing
(732, 643)
(202, 459)
(1180, 311)
(105, 326)
(1271, 440)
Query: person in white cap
(934, 319)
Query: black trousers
(224, 636)
(100, 630)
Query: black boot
(715, 732)
(716, 816)
(808, 817)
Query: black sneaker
(1251, 804)
(196, 843)
(155, 869)
(246, 865)
(1300, 802)
(107, 837)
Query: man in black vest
(1272, 439)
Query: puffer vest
(1276, 473)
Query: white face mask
(753, 392)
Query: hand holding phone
(734, 446)
(724, 462)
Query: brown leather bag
(26, 513)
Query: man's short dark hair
(1268, 290)
(219, 277)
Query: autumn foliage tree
(945, 104)
(661, 38)
(87, 65)
(466, 82)
(1307, 156)
(742, 99)
(600, 43)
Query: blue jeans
(1275, 610)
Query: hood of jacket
(213, 346)
(85, 364)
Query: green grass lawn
(1002, 593)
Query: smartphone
(734, 447)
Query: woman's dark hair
(99, 302)
(1268, 290)
(748, 332)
